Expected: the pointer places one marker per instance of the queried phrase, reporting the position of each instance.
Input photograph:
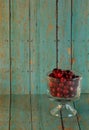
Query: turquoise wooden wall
(38, 35)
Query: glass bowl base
(65, 110)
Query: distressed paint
(3, 125)
(34, 45)
(20, 126)
(20, 112)
(43, 42)
(82, 107)
(4, 48)
(20, 46)
(41, 118)
(4, 112)
(29, 68)
(80, 34)
(47, 43)
(64, 34)
(4, 107)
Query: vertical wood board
(64, 34)
(20, 46)
(4, 48)
(80, 34)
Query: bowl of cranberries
(64, 85)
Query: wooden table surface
(32, 113)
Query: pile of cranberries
(63, 83)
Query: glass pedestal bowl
(64, 93)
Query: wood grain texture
(20, 46)
(4, 125)
(82, 107)
(20, 126)
(41, 118)
(81, 40)
(64, 34)
(43, 47)
(4, 48)
(34, 46)
(20, 112)
(4, 107)
(47, 40)
(4, 112)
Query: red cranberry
(59, 90)
(53, 94)
(61, 85)
(58, 95)
(65, 92)
(51, 84)
(70, 83)
(51, 75)
(59, 75)
(66, 87)
(55, 72)
(63, 79)
(70, 77)
(53, 89)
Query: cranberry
(58, 95)
(55, 72)
(65, 92)
(63, 79)
(59, 90)
(59, 75)
(51, 75)
(53, 94)
(66, 87)
(51, 84)
(53, 89)
(70, 77)
(70, 83)
(61, 85)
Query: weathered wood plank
(4, 112)
(34, 46)
(43, 47)
(4, 48)
(64, 34)
(4, 108)
(20, 126)
(47, 60)
(81, 40)
(20, 112)
(41, 118)
(4, 125)
(82, 107)
(20, 46)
